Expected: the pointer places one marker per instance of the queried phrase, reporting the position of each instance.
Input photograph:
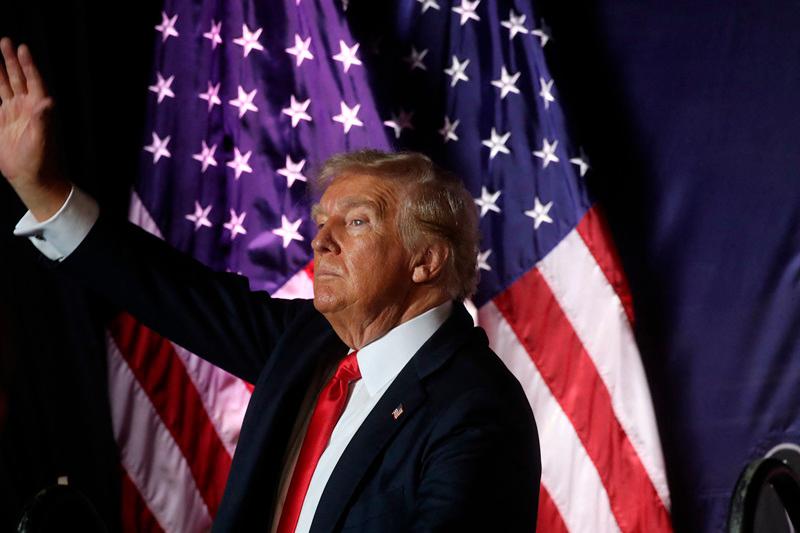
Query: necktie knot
(348, 370)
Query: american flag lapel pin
(398, 412)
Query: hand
(26, 159)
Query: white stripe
(224, 396)
(150, 455)
(599, 320)
(299, 286)
(568, 473)
(138, 214)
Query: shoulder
(475, 380)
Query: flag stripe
(549, 520)
(224, 396)
(597, 237)
(596, 317)
(149, 453)
(163, 378)
(136, 516)
(301, 285)
(580, 496)
(573, 380)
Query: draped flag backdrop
(247, 98)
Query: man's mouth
(325, 272)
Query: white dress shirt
(380, 361)
(59, 235)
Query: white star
(240, 162)
(245, 101)
(200, 216)
(467, 11)
(167, 26)
(162, 87)
(456, 71)
(539, 213)
(415, 59)
(234, 225)
(400, 123)
(546, 92)
(158, 148)
(497, 143)
(348, 117)
(292, 171)
(482, 257)
(542, 33)
(582, 162)
(515, 25)
(448, 131)
(288, 230)
(249, 40)
(506, 83)
(213, 34)
(297, 110)
(429, 3)
(347, 55)
(211, 95)
(488, 201)
(206, 156)
(300, 49)
(548, 153)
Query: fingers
(15, 76)
(33, 79)
(5, 88)
(44, 106)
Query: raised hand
(27, 159)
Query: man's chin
(325, 303)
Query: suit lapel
(399, 403)
(271, 415)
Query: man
(378, 407)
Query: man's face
(360, 264)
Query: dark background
(690, 115)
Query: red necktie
(329, 407)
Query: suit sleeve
(212, 314)
(482, 469)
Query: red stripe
(136, 516)
(542, 328)
(549, 520)
(309, 268)
(164, 379)
(595, 233)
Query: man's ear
(431, 262)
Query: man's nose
(325, 241)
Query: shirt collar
(381, 360)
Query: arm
(482, 468)
(213, 314)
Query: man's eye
(356, 222)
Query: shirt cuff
(59, 235)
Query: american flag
(247, 98)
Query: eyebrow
(315, 210)
(349, 203)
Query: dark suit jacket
(464, 454)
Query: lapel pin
(398, 411)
